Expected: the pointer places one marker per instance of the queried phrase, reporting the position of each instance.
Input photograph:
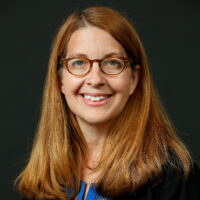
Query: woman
(103, 133)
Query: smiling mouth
(95, 98)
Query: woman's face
(95, 43)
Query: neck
(95, 136)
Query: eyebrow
(106, 55)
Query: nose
(96, 76)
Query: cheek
(70, 86)
(122, 84)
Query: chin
(96, 121)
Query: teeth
(97, 98)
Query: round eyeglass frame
(64, 61)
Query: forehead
(94, 42)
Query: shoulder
(175, 186)
(172, 185)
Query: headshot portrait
(102, 126)
(103, 133)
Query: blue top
(91, 194)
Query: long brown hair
(136, 148)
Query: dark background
(170, 32)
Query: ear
(134, 79)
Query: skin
(94, 122)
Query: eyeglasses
(79, 66)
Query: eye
(78, 62)
(113, 62)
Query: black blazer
(171, 187)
